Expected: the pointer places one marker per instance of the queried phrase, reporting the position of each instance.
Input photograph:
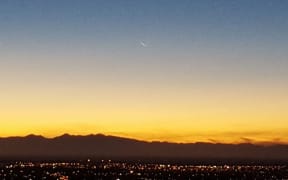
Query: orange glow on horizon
(223, 114)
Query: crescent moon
(143, 44)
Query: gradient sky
(168, 70)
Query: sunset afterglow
(153, 70)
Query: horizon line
(261, 143)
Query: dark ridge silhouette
(101, 146)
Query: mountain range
(102, 146)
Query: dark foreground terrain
(121, 170)
(34, 157)
(99, 146)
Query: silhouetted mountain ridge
(102, 146)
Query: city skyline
(189, 71)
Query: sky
(179, 71)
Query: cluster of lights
(118, 170)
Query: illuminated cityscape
(136, 170)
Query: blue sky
(230, 46)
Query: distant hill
(101, 146)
